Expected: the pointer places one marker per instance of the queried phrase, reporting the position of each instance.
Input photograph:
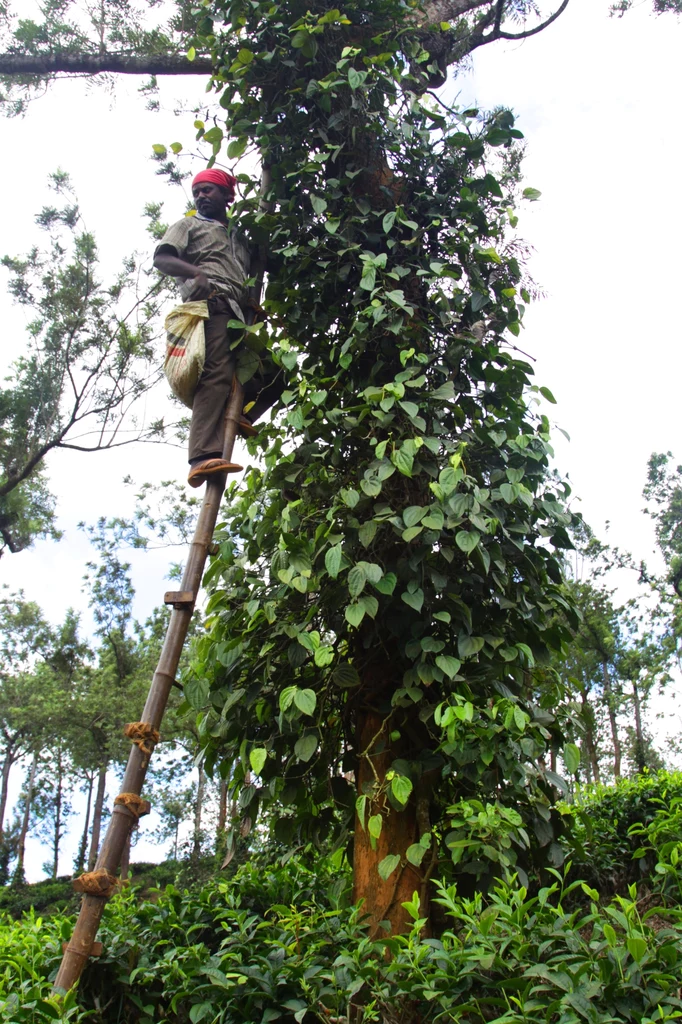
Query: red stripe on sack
(176, 352)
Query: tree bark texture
(611, 708)
(221, 828)
(107, 63)
(196, 843)
(382, 900)
(57, 835)
(21, 845)
(97, 816)
(639, 732)
(6, 769)
(83, 845)
(589, 744)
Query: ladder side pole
(124, 816)
(126, 813)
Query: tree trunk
(639, 732)
(80, 860)
(196, 844)
(382, 900)
(21, 845)
(57, 815)
(611, 708)
(222, 809)
(589, 743)
(6, 769)
(97, 816)
(107, 63)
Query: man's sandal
(209, 467)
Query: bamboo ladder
(98, 885)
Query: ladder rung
(179, 598)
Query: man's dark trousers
(213, 390)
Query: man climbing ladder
(98, 885)
(211, 261)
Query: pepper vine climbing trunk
(383, 897)
(392, 567)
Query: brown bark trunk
(196, 844)
(589, 744)
(221, 828)
(611, 708)
(382, 900)
(97, 64)
(21, 845)
(80, 860)
(222, 808)
(639, 732)
(57, 836)
(6, 769)
(97, 816)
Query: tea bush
(284, 944)
(608, 823)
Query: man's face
(211, 200)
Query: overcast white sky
(598, 101)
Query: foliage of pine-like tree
(88, 358)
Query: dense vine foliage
(388, 591)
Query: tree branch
(538, 28)
(113, 63)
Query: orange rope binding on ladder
(143, 735)
(134, 804)
(96, 883)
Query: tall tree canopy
(87, 362)
(389, 581)
(120, 37)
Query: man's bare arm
(167, 263)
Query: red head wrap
(221, 178)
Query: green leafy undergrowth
(621, 834)
(284, 944)
(52, 896)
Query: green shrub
(45, 897)
(283, 944)
(662, 846)
(605, 831)
(30, 952)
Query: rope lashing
(96, 883)
(143, 735)
(134, 804)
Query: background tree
(120, 38)
(387, 583)
(24, 635)
(36, 705)
(89, 359)
(663, 494)
(590, 674)
(64, 669)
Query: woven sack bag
(185, 348)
